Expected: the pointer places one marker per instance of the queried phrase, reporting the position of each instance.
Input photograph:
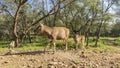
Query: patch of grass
(117, 41)
(103, 47)
(39, 44)
(3, 44)
(104, 40)
(24, 47)
(3, 50)
(29, 48)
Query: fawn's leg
(76, 45)
(83, 45)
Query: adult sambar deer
(54, 33)
(79, 39)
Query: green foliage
(3, 44)
(103, 47)
(116, 29)
(30, 47)
(84, 16)
(117, 41)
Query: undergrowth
(39, 44)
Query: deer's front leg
(48, 45)
(54, 45)
(66, 44)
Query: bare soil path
(61, 59)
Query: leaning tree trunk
(16, 37)
(15, 27)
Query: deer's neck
(47, 30)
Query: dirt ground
(61, 59)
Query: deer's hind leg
(66, 44)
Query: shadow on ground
(26, 53)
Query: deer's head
(40, 28)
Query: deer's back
(60, 32)
(78, 38)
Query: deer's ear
(41, 24)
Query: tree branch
(48, 14)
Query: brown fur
(54, 33)
(79, 39)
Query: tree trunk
(88, 32)
(15, 27)
(16, 37)
(37, 21)
(98, 34)
(87, 39)
(54, 24)
(29, 38)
